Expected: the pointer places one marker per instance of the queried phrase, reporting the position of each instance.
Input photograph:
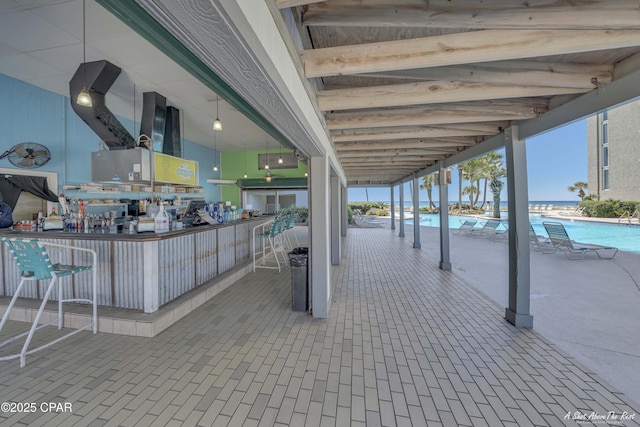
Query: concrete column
(336, 202)
(319, 234)
(519, 256)
(443, 189)
(416, 213)
(401, 191)
(393, 209)
(344, 219)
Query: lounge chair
(363, 222)
(540, 243)
(574, 250)
(465, 227)
(490, 229)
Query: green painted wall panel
(233, 167)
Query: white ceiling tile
(25, 67)
(27, 32)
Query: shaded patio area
(405, 344)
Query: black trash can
(299, 259)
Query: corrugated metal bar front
(127, 265)
(175, 267)
(82, 281)
(206, 259)
(242, 242)
(226, 249)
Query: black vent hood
(97, 77)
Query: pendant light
(245, 160)
(217, 124)
(266, 148)
(280, 161)
(266, 166)
(84, 97)
(215, 153)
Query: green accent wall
(233, 167)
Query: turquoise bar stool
(34, 264)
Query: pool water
(623, 236)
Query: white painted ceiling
(41, 44)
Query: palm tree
(494, 174)
(427, 184)
(460, 168)
(471, 191)
(490, 163)
(472, 171)
(579, 186)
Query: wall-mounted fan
(27, 155)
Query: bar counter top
(142, 271)
(123, 235)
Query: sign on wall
(174, 170)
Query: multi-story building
(613, 143)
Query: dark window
(605, 134)
(605, 179)
(605, 115)
(605, 156)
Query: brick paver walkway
(405, 344)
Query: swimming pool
(623, 236)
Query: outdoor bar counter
(141, 271)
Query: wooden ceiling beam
(403, 144)
(577, 14)
(464, 112)
(517, 72)
(462, 129)
(425, 93)
(284, 4)
(460, 48)
(392, 154)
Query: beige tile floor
(405, 344)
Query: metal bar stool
(34, 264)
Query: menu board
(174, 170)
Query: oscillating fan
(27, 155)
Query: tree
(460, 168)
(427, 184)
(490, 164)
(495, 176)
(579, 186)
(472, 171)
(471, 191)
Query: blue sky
(555, 160)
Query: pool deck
(405, 344)
(588, 307)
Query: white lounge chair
(574, 250)
(465, 227)
(359, 220)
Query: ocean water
(503, 204)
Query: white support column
(401, 191)
(416, 213)
(336, 211)
(519, 256)
(320, 232)
(393, 209)
(443, 189)
(344, 219)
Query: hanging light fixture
(217, 124)
(266, 166)
(215, 153)
(266, 148)
(280, 161)
(84, 97)
(245, 160)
